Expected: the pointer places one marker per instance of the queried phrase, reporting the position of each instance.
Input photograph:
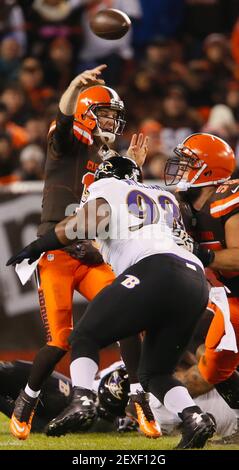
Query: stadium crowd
(177, 74)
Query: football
(110, 24)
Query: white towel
(25, 270)
(228, 342)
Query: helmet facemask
(179, 166)
(107, 136)
(201, 160)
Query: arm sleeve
(61, 138)
(228, 205)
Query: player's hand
(86, 253)
(138, 149)
(183, 239)
(27, 252)
(89, 78)
(205, 255)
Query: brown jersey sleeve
(225, 202)
(60, 137)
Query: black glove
(27, 252)
(205, 255)
(48, 242)
(85, 252)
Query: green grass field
(91, 441)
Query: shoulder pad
(226, 199)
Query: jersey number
(144, 207)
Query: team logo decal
(130, 282)
(114, 385)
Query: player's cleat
(139, 410)
(21, 420)
(79, 415)
(197, 428)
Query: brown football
(110, 24)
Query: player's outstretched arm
(89, 220)
(228, 258)
(84, 80)
(33, 251)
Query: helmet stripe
(83, 133)
(113, 95)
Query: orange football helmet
(201, 160)
(90, 101)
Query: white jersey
(210, 402)
(143, 218)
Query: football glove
(205, 255)
(183, 239)
(85, 252)
(33, 251)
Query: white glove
(183, 239)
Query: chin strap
(183, 186)
(105, 137)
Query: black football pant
(162, 295)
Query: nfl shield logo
(50, 257)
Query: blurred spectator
(115, 53)
(177, 118)
(36, 129)
(158, 60)
(31, 163)
(10, 52)
(220, 64)
(160, 66)
(18, 134)
(222, 122)
(198, 82)
(165, 59)
(235, 42)
(12, 22)
(232, 98)
(59, 64)
(31, 79)
(217, 52)
(152, 128)
(155, 161)
(154, 168)
(50, 112)
(49, 19)
(7, 160)
(170, 77)
(14, 98)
